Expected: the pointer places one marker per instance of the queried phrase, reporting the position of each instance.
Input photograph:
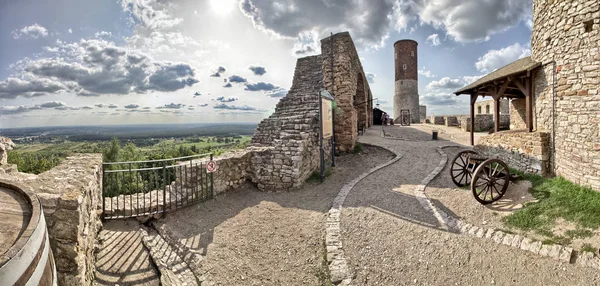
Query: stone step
(173, 269)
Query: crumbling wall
(70, 195)
(450, 121)
(292, 132)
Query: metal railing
(139, 188)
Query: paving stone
(516, 242)
(525, 243)
(535, 247)
(554, 251)
(507, 240)
(498, 236)
(545, 250)
(565, 254)
(480, 232)
(489, 233)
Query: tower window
(404, 66)
(478, 109)
(412, 53)
(395, 56)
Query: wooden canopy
(511, 81)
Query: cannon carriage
(488, 177)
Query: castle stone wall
(524, 151)
(568, 32)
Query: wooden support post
(473, 99)
(496, 114)
(529, 104)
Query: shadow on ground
(122, 259)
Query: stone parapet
(483, 122)
(525, 151)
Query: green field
(39, 157)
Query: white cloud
(103, 34)
(426, 73)
(34, 31)
(369, 22)
(94, 67)
(433, 40)
(150, 14)
(495, 59)
(70, 31)
(447, 83)
(370, 77)
(473, 20)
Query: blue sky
(83, 62)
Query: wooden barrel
(25, 254)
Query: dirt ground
(462, 203)
(389, 239)
(250, 237)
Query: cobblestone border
(173, 270)
(338, 266)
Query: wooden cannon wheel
(490, 181)
(461, 170)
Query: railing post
(212, 191)
(164, 187)
(103, 193)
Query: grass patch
(358, 148)
(561, 240)
(586, 247)
(557, 198)
(579, 233)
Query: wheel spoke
(461, 178)
(486, 192)
(495, 168)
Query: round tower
(406, 93)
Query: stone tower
(406, 93)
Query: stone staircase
(173, 269)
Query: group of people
(385, 119)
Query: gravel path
(389, 239)
(250, 237)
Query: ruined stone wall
(70, 195)
(422, 112)
(483, 122)
(350, 87)
(525, 151)
(450, 121)
(487, 107)
(568, 32)
(292, 131)
(437, 120)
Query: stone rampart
(70, 195)
(483, 122)
(437, 120)
(525, 151)
(450, 121)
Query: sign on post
(327, 112)
(326, 118)
(211, 166)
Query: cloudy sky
(84, 62)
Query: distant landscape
(42, 148)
